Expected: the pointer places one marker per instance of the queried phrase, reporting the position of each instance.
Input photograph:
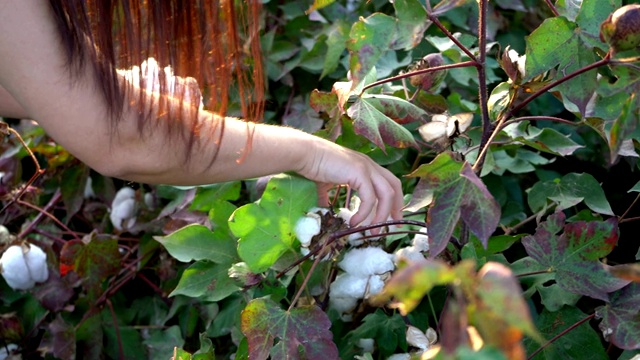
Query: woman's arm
(33, 72)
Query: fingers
(380, 190)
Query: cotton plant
(22, 266)
(309, 226)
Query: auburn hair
(214, 41)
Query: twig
(561, 334)
(49, 215)
(538, 118)
(552, 7)
(464, 49)
(5, 129)
(117, 329)
(621, 218)
(419, 72)
(482, 75)
(54, 200)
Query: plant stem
(532, 273)
(54, 200)
(538, 118)
(621, 218)
(49, 215)
(561, 334)
(464, 49)
(117, 329)
(552, 7)
(482, 75)
(418, 72)
(605, 61)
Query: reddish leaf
(458, 192)
(62, 339)
(621, 318)
(93, 261)
(370, 122)
(368, 40)
(302, 333)
(575, 254)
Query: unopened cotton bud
(36, 260)
(15, 270)
(367, 261)
(307, 227)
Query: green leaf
(581, 342)
(554, 297)
(620, 318)
(207, 281)
(73, 183)
(547, 140)
(635, 188)
(370, 121)
(368, 39)
(206, 351)
(197, 242)
(570, 190)
(208, 196)
(574, 255)
(162, 342)
(389, 332)
(412, 22)
(624, 125)
(459, 193)
(337, 36)
(302, 333)
(560, 42)
(265, 228)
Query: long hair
(214, 41)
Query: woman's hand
(329, 164)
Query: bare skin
(34, 84)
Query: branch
(49, 215)
(538, 118)
(437, 22)
(419, 72)
(552, 7)
(482, 79)
(561, 334)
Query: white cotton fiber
(367, 261)
(421, 241)
(343, 304)
(36, 260)
(15, 270)
(347, 285)
(307, 227)
(409, 253)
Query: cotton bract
(23, 266)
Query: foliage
(529, 211)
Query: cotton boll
(15, 270)
(409, 253)
(367, 261)
(347, 285)
(123, 194)
(316, 210)
(122, 214)
(404, 356)
(366, 345)
(375, 285)
(36, 260)
(343, 304)
(421, 241)
(307, 227)
(345, 214)
(416, 338)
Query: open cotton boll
(348, 285)
(409, 253)
(307, 227)
(366, 344)
(367, 261)
(343, 304)
(421, 241)
(374, 286)
(404, 356)
(14, 269)
(36, 260)
(123, 214)
(123, 194)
